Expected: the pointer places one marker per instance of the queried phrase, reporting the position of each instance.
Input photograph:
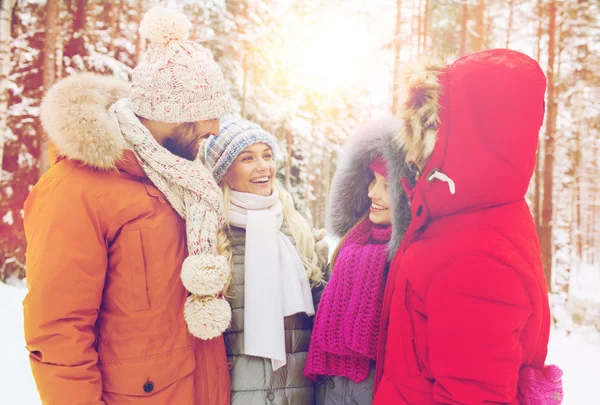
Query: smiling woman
(275, 270)
(253, 171)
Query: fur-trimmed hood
(472, 126)
(348, 195)
(74, 114)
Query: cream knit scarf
(193, 193)
(276, 283)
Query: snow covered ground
(578, 354)
(16, 382)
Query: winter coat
(337, 390)
(466, 304)
(104, 312)
(253, 381)
(348, 204)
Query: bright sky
(331, 51)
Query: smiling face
(253, 171)
(379, 212)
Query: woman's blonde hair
(299, 228)
(224, 249)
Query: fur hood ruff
(74, 114)
(348, 195)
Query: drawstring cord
(436, 174)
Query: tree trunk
(330, 173)
(245, 84)
(511, 11)
(288, 162)
(139, 42)
(60, 51)
(538, 170)
(463, 29)
(322, 182)
(76, 43)
(419, 26)
(578, 154)
(540, 31)
(51, 29)
(397, 45)
(115, 9)
(578, 197)
(308, 159)
(537, 186)
(79, 17)
(594, 225)
(425, 25)
(414, 31)
(545, 231)
(478, 39)
(6, 13)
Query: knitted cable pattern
(178, 80)
(193, 193)
(236, 135)
(344, 339)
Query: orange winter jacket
(104, 313)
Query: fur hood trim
(419, 111)
(74, 114)
(401, 211)
(348, 197)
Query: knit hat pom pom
(207, 317)
(205, 274)
(161, 25)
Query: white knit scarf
(193, 193)
(276, 281)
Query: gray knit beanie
(236, 135)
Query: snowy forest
(308, 71)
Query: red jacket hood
(491, 107)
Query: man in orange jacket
(118, 222)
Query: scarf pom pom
(205, 274)
(207, 317)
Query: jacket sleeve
(477, 308)
(66, 265)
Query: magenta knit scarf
(346, 327)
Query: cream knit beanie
(178, 81)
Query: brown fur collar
(420, 110)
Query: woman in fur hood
(277, 269)
(344, 341)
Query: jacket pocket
(149, 375)
(137, 267)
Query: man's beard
(184, 141)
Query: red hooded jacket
(466, 304)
